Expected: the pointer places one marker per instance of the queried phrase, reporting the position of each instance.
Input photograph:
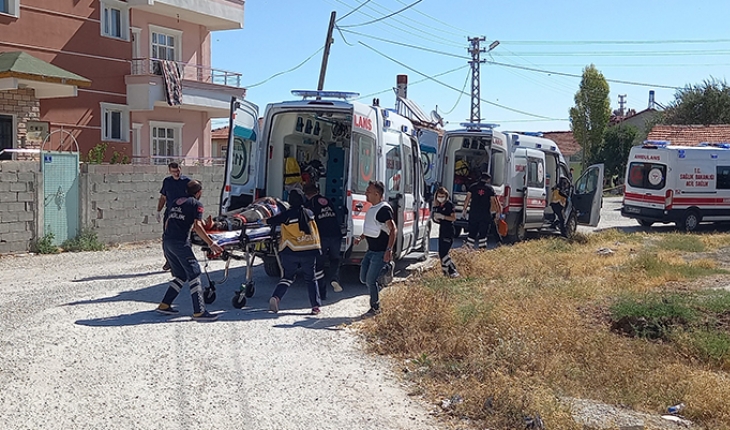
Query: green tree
(705, 103)
(589, 117)
(614, 151)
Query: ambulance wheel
(457, 231)
(520, 232)
(271, 267)
(209, 295)
(239, 300)
(571, 225)
(250, 290)
(645, 223)
(690, 221)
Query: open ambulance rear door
(588, 195)
(239, 185)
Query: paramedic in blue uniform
(444, 215)
(380, 231)
(184, 214)
(478, 202)
(299, 248)
(173, 186)
(330, 236)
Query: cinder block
(28, 177)
(9, 217)
(28, 166)
(18, 186)
(10, 166)
(4, 187)
(26, 197)
(8, 196)
(7, 176)
(26, 216)
(18, 227)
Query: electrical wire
(463, 91)
(463, 57)
(286, 71)
(450, 87)
(353, 11)
(384, 17)
(437, 20)
(414, 82)
(612, 42)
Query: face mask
(441, 199)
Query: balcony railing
(188, 71)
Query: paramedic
(444, 215)
(559, 200)
(478, 203)
(183, 214)
(173, 187)
(330, 236)
(380, 232)
(298, 246)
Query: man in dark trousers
(184, 214)
(173, 187)
(479, 205)
(330, 237)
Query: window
(497, 167)
(6, 134)
(165, 43)
(363, 150)
(723, 178)
(393, 170)
(588, 182)
(535, 173)
(114, 19)
(408, 169)
(114, 122)
(650, 176)
(10, 7)
(166, 142)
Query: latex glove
(158, 217)
(437, 216)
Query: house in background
(690, 135)
(219, 137)
(569, 147)
(116, 45)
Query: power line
(449, 86)
(463, 91)
(286, 71)
(437, 20)
(619, 53)
(463, 57)
(354, 10)
(386, 16)
(612, 42)
(617, 81)
(414, 82)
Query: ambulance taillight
(668, 199)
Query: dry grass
(530, 323)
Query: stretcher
(252, 240)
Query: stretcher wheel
(271, 266)
(239, 300)
(250, 290)
(209, 295)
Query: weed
(710, 345)
(86, 240)
(681, 242)
(96, 154)
(45, 244)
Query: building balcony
(213, 14)
(203, 89)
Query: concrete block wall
(21, 190)
(120, 201)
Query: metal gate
(60, 192)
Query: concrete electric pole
(326, 54)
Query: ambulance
(684, 185)
(524, 168)
(341, 145)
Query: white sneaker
(274, 305)
(455, 275)
(336, 286)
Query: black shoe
(371, 313)
(166, 266)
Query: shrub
(45, 244)
(86, 240)
(96, 154)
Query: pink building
(120, 47)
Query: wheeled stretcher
(246, 244)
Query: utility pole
(326, 54)
(475, 62)
(621, 103)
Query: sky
(638, 46)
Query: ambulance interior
(309, 146)
(473, 155)
(553, 172)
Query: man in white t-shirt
(380, 231)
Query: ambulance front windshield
(649, 176)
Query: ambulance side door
(394, 186)
(535, 196)
(242, 157)
(588, 195)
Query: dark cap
(486, 176)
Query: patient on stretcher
(259, 210)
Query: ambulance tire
(271, 267)
(457, 231)
(571, 225)
(520, 232)
(690, 221)
(645, 223)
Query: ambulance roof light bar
(478, 125)
(716, 145)
(342, 95)
(532, 133)
(656, 144)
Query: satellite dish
(435, 117)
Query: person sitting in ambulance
(558, 202)
(461, 175)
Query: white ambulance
(681, 184)
(524, 168)
(342, 146)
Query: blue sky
(661, 43)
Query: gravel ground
(82, 349)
